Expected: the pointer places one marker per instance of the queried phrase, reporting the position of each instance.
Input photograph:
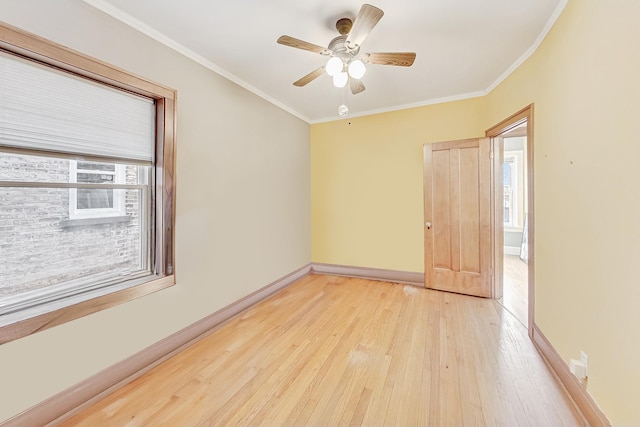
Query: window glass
(95, 173)
(97, 202)
(45, 251)
(94, 199)
(513, 181)
(509, 189)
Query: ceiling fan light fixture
(334, 66)
(344, 62)
(340, 79)
(357, 69)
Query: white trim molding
(511, 250)
(536, 44)
(581, 397)
(428, 102)
(156, 35)
(129, 20)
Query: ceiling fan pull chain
(343, 110)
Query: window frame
(162, 213)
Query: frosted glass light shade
(334, 66)
(340, 79)
(357, 69)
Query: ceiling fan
(346, 64)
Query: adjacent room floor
(516, 288)
(338, 351)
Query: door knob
(428, 225)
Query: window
(86, 185)
(513, 181)
(96, 202)
(510, 191)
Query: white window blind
(42, 108)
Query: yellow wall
(243, 205)
(585, 83)
(366, 183)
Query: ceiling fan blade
(301, 44)
(309, 77)
(356, 86)
(401, 59)
(367, 18)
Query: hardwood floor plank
(341, 351)
(471, 406)
(516, 287)
(399, 353)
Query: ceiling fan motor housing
(344, 26)
(339, 48)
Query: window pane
(106, 167)
(96, 178)
(507, 207)
(23, 167)
(95, 198)
(40, 248)
(46, 246)
(506, 169)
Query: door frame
(524, 115)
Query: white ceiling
(464, 47)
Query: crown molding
(536, 44)
(403, 107)
(129, 20)
(145, 29)
(532, 49)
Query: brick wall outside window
(40, 246)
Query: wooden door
(457, 205)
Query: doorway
(478, 196)
(514, 218)
(512, 143)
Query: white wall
(242, 205)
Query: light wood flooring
(516, 288)
(338, 351)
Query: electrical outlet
(578, 369)
(585, 361)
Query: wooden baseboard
(583, 400)
(406, 277)
(71, 401)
